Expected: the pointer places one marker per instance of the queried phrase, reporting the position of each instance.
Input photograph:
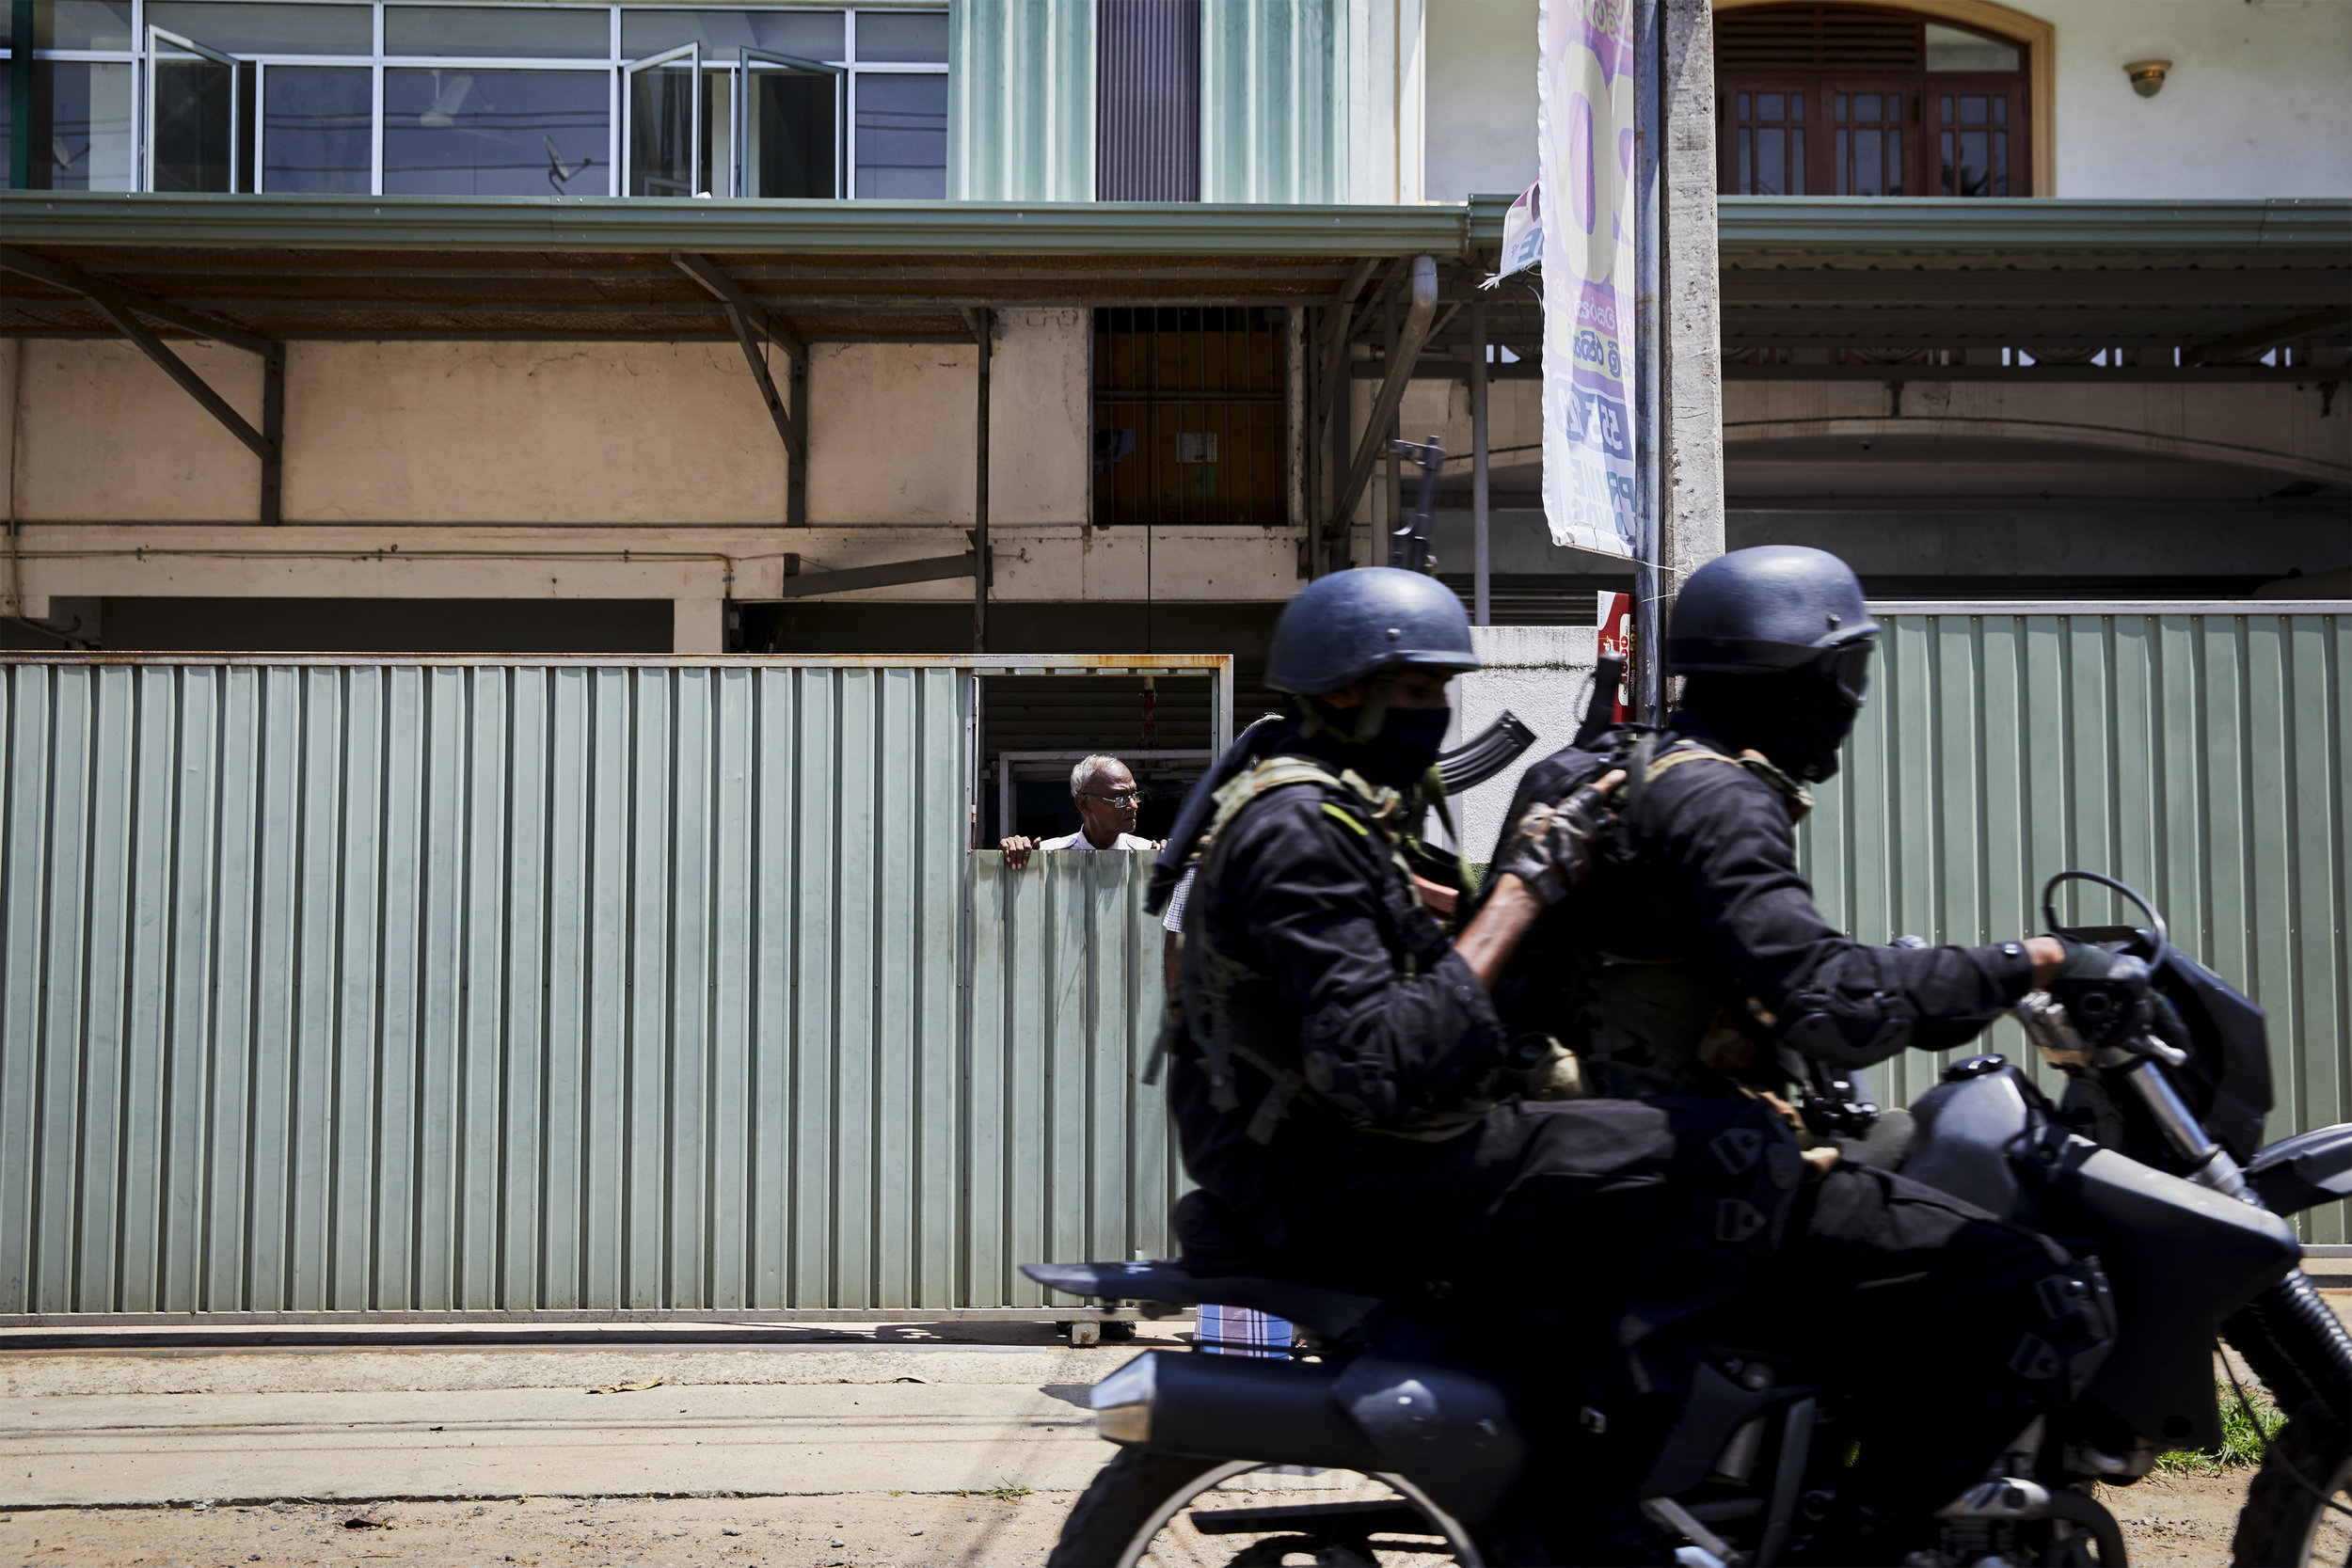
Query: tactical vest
(1649, 1026)
(1228, 1012)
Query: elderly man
(1107, 801)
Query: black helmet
(1346, 626)
(1770, 609)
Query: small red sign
(1617, 641)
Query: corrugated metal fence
(568, 985)
(531, 985)
(2202, 755)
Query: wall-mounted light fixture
(2148, 77)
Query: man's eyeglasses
(1132, 798)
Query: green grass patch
(2241, 1444)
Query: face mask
(1798, 720)
(1407, 745)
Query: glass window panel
(1973, 110)
(1841, 106)
(1771, 161)
(1947, 163)
(81, 125)
(315, 125)
(82, 25)
(269, 29)
(1772, 105)
(912, 38)
(902, 136)
(495, 133)
(1796, 107)
(1744, 107)
(660, 129)
(2000, 111)
(499, 32)
(789, 148)
(1796, 163)
(1975, 164)
(1947, 108)
(2000, 163)
(1895, 162)
(195, 108)
(1747, 162)
(719, 131)
(1950, 49)
(1866, 146)
(8, 127)
(1843, 188)
(810, 35)
(1866, 106)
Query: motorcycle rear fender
(2304, 1171)
(2180, 1259)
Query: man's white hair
(1084, 773)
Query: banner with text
(1584, 164)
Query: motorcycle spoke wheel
(2285, 1523)
(1209, 1514)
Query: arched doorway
(1947, 97)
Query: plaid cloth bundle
(1238, 1331)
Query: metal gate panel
(2200, 754)
(416, 987)
(1071, 1154)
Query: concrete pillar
(698, 625)
(1692, 417)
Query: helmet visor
(1848, 667)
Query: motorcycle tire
(2285, 1522)
(1132, 1502)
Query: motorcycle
(1397, 1428)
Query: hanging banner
(1584, 164)
(1522, 234)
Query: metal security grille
(1190, 420)
(1147, 100)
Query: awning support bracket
(746, 316)
(1418, 318)
(124, 307)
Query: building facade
(513, 326)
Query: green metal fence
(598, 985)
(2201, 754)
(532, 985)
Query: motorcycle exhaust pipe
(1266, 1410)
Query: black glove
(2106, 994)
(1552, 849)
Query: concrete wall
(2255, 105)
(661, 434)
(1482, 98)
(1538, 672)
(2285, 429)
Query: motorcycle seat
(1330, 1313)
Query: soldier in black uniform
(1347, 1100)
(1696, 962)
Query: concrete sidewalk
(115, 1428)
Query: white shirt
(1079, 841)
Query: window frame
(2033, 152)
(376, 61)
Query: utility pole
(1650, 601)
(1690, 428)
